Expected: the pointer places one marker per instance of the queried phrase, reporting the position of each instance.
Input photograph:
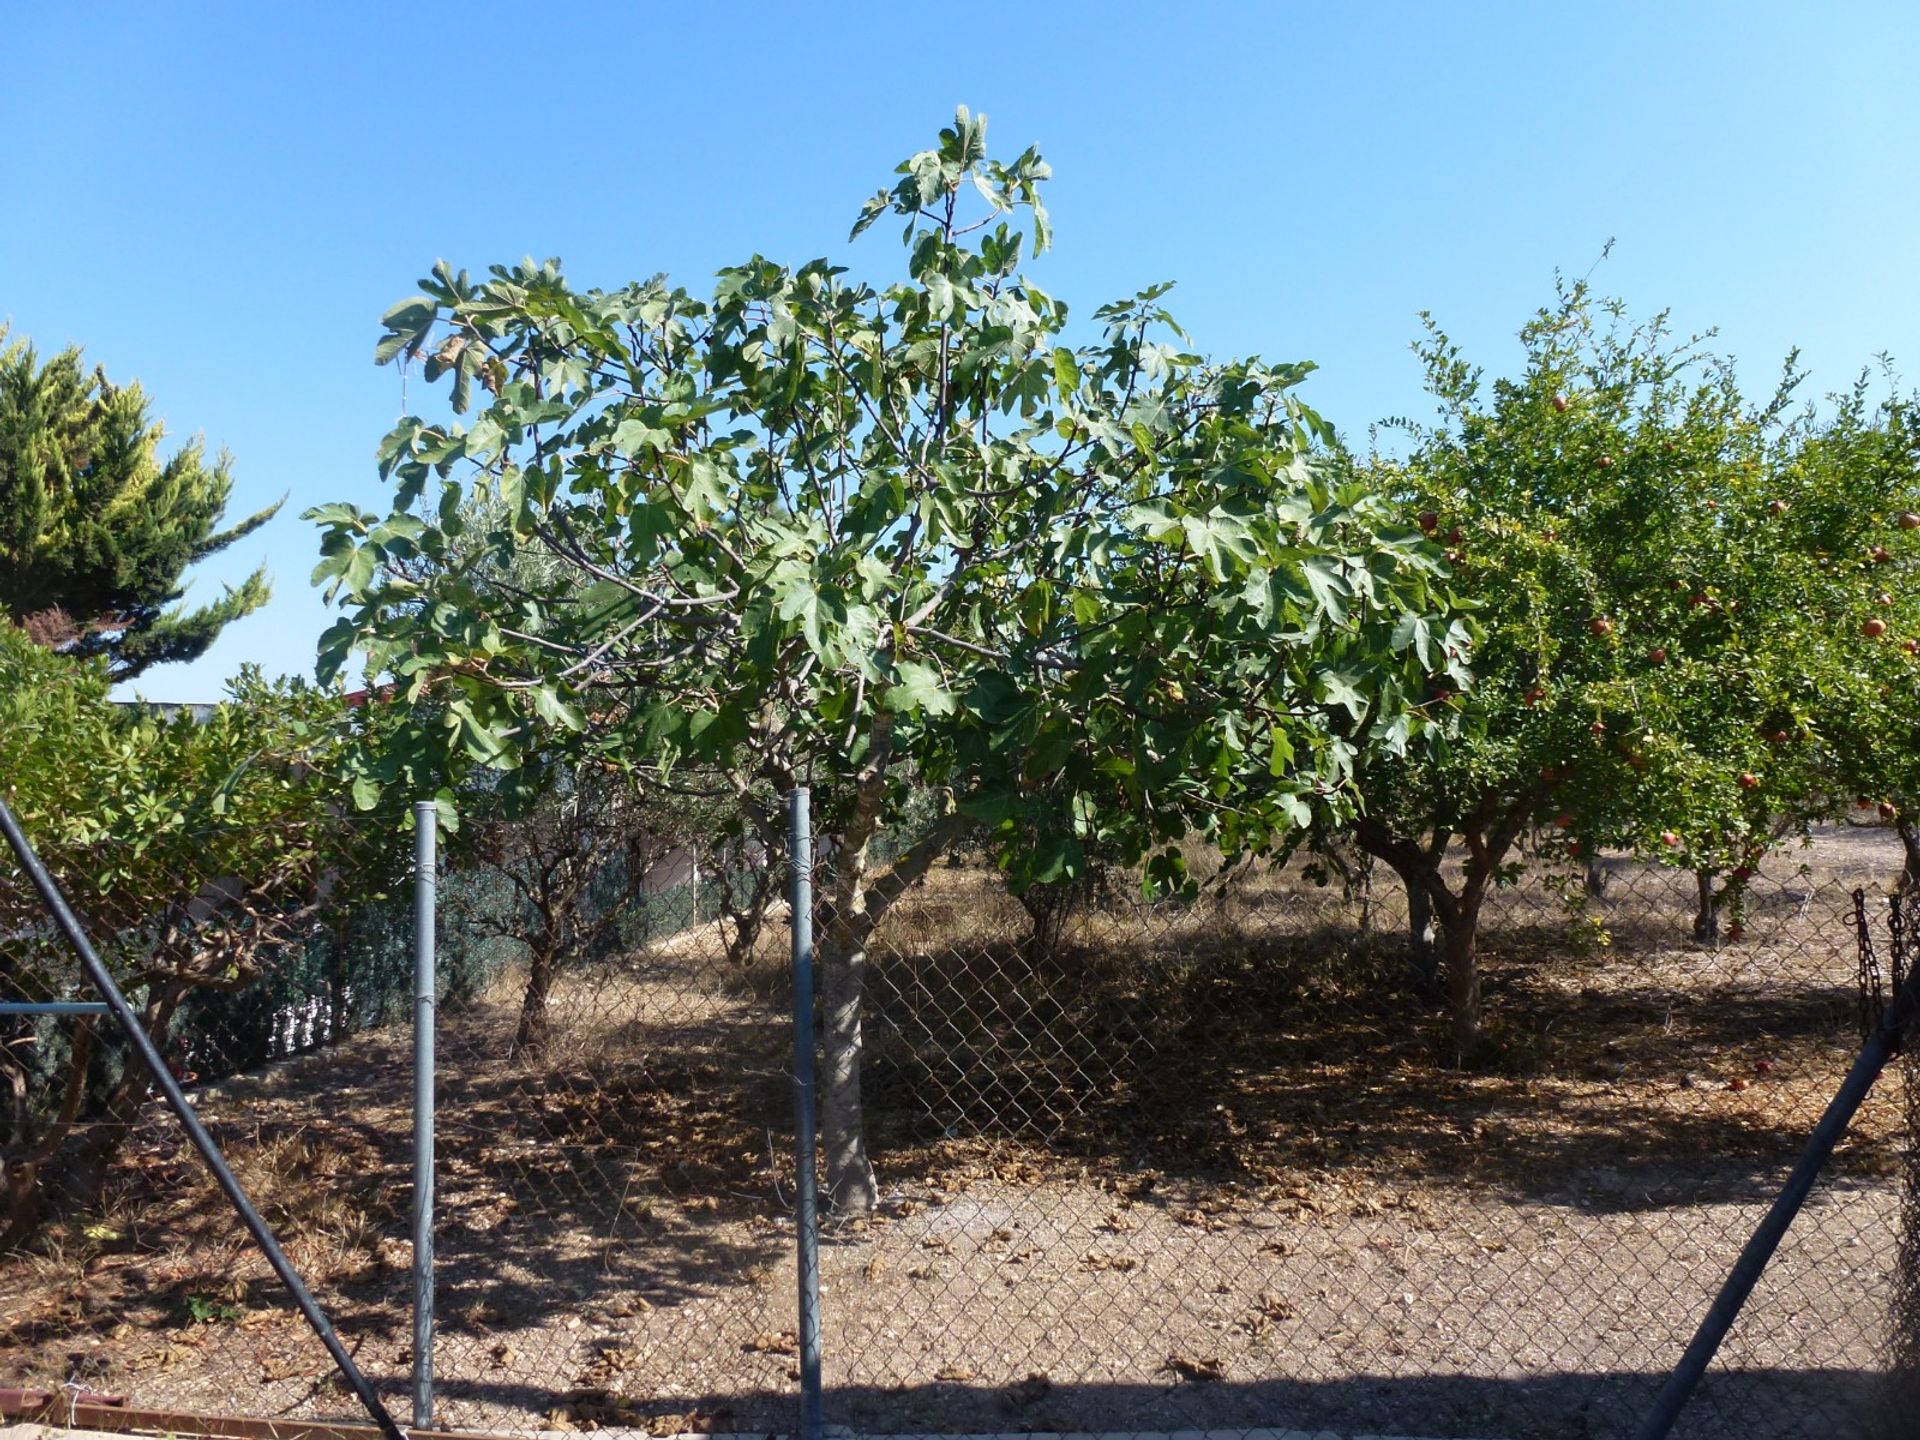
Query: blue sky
(220, 199)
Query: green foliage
(206, 1310)
(1856, 485)
(96, 529)
(873, 537)
(1671, 588)
(191, 846)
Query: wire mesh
(616, 1236)
(1199, 1165)
(612, 1223)
(124, 1267)
(1177, 1167)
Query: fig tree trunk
(850, 1183)
(844, 954)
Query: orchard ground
(1202, 1169)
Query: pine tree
(96, 529)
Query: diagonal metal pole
(98, 975)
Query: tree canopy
(97, 529)
(872, 537)
(1857, 485)
(1680, 595)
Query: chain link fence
(614, 1174)
(124, 1268)
(1203, 1168)
(1143, 1167)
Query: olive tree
(1093, 591)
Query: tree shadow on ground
(641, 1164)
(1730, 1405)
(1614, 1080)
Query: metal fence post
(805, 1142)
(425, 829)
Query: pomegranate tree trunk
(1596, 876)
(1423, 949)
(1461, 950)
(1706, 915)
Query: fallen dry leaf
(1211, 1368)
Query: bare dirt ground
(1205, 1168)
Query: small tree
(1657, 589)
(748, 874)
(96, 529)
(195, 851)
(876, 538)
(573, 864)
